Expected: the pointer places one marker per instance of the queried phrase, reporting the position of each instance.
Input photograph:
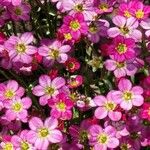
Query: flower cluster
(74, 74)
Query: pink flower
(101, 139)
(20, 49)
(128, 96)
(107, 107)
(75, 25)
(126, 27)
(61, 107)
(48, 88)
(145, 113)
(21, 142)
(54, 50)
(104, 6)
(146, 25)
(42, 134)
(9, 91)
(140, 11)
(19, 12)
(122, 48)
(120, 69)
(80, 6)
(17, 109)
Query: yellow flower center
(75, 25)
(127, 14)
(61, 106)
(54, 53)
(102, 138)
(83, 135)
(18, 11)
(139, 14)
(125, 146)
(25, 145)
(8, 146)
(21, 48)
(9, 94)
(103, 6)
(71, 65)
(79, 7)
(17, 107)
(110, 106)
(124, 30)
(121, 48)
(93, 28)
(67, 36)
(120, 64)
(43, 132)
(127, 96)
(74, 83)
(49, 90)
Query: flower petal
(100, 113)
(35, 123)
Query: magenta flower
(42, 134)
(107, 107)
(101, 139)
(21, 142)
(17, 109)
(61, 107)
(122, 48)
(75, 25)
(19, 12)
(125, 9)
(9, 91)
(54, 50)
(20, 49)
(128, 96)
(120, 69)
(140, 11)
(126, 27)
(48, 88)
(145, 113)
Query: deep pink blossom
(61, 107)
(75, 25)
(122, 48)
